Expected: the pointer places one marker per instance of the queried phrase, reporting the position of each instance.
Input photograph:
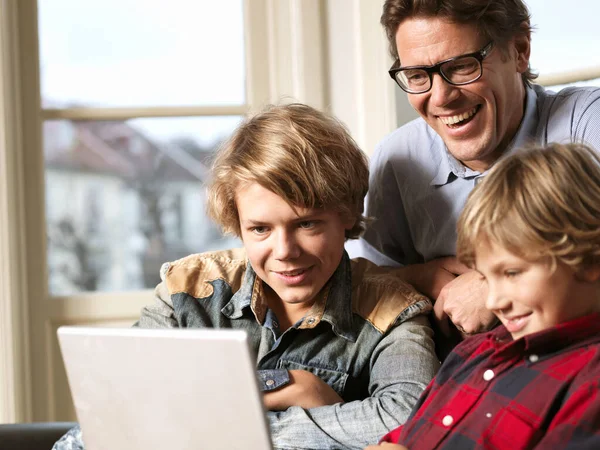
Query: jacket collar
(333, 303)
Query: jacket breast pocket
(336, 379)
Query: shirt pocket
(512, 429)
(334, 378)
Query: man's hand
(459, 294)
(386, 446)
(463, 301)
(304, 389)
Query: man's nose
(286, 246)
(442, 92)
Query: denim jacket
(367, 336)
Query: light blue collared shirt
(417, 189)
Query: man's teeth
(458, 118)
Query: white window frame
(285, 61)
(362, 94)
(568, 77)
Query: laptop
(141, 389)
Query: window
(283, 58)
(121, 189)
(564, 42)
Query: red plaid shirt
(541, 391)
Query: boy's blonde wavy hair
(537, 203)
(301, 154)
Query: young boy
(532, 230)
(343, 349)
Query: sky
(143, 52)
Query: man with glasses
(465, 69)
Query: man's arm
(587, 128)
(458, 292)
(388, 242)
(401, 367)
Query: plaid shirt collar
(577, 332)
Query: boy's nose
(286, 246)
(496, 301)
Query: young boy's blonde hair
(301, 154)
(540, 202)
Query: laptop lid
(141, 389)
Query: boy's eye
(512, 273)
(307, 224)
(259, 230)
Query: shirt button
(447, 420)
(488, 375)
(533, 358)
(488, 415)
(270, 382)
(310, 320)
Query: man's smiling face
(476, 121)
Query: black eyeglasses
(460, 70)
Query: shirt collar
(332, 305)
(450, 168)
(566, 334)
(576, 332)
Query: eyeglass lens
(458, 71)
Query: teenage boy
(532, 230)
(343, 349)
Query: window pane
(141, 52)
(124, 197)
(565, 37)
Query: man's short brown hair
(540, 202)
(303, 155)
(497, 20)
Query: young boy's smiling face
(294, 251)
(529, 296)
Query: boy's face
(528, 296)
(294, 251)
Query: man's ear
(522, 46)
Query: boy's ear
(591, 273)
(348, 221)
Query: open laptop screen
(142, 389)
